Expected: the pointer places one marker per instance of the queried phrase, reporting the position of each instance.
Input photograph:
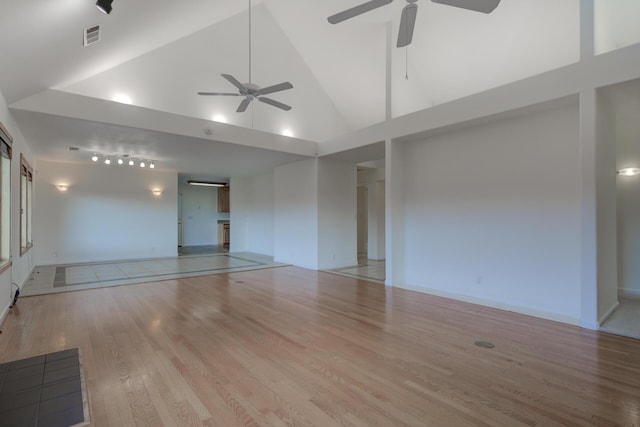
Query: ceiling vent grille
(91, 35)
(73, 148)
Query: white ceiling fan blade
(484, 6)
(218, 94)
(243, 105)
(275, 103)
(236, 83)
(407, 24)
(275, 88)
(358, 10)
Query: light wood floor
(289, 346)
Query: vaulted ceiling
(161, 52)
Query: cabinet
(226, 235)
(223, 199)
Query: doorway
(363, 224)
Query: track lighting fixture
(123, 159)
(104, 6)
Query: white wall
(21, 265)
(200, 215)
(606, 175)
(616, 24)
(315, 214)
(373, 179)
(337, 225)
(492, 214)
(629, 235)
(252, 220)
(108, 213)
(296, 214)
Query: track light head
(104, 6)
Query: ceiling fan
(409, 13)
(251, 91)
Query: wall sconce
(156, 192)
(62, 187)
(629, 171)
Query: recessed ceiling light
(122, 98)
(94, 158)
(219, 118)
(142, 164)
(287, 132)
(120, 161)
(152, 165)
(629, 171)
(107, 161)
(131, 163)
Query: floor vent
(91, 35)
(484, 344)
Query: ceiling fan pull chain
(406, 63)
(250, 41)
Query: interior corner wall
(337, 226)
(22, 265)
(492, 214)
(200, 215)
(606, 209)
(252, 214)
(296, 213)
(373, 179)
(107, 214)
(629, 236)
(380, 253)
(395, 215)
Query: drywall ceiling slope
(456, 53)
(50, 136)
(41, 41)
(349, 59)
(169, 78)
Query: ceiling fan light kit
(410, 12)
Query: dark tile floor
(42, 391)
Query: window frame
(7, 140)
(27, 171)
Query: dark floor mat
(43, 390)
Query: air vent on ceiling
(91, 35)
(73, 149)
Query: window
(26, 205)
(5, 198)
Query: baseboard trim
(629, 293)
(608, 313)
(548, 315)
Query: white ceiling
(160, 52)
(50, 136)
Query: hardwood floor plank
(293, 347)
